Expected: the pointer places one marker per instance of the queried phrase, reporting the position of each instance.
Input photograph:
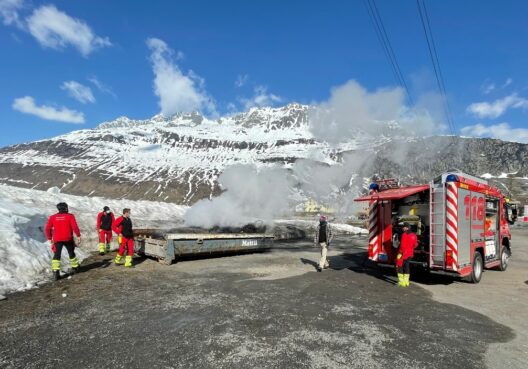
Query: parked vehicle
(462, 224)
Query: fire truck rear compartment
(413, 210)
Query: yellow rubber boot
(55, 265)
(101, 248)
(118, 259)
(401, 280)
(74, 263)
(128, 261)
(406, 278)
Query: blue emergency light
(451, 178)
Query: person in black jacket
(105, 219)
(323, 237)
(123, 227)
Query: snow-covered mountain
(179, 158)
(169, 159)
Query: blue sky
(67, 65)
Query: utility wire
(381, 32)
(426, 25)
(381, 40)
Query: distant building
(312, 207)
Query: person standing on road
(105, 219)
(60, 229)
(323, 237)
(123, 228)
(408, 242)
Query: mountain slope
(179, 158)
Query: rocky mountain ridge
(179, 158)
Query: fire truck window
(491, 228)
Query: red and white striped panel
(373, 231)
(452, 222)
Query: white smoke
(351, 110)
(250, 195)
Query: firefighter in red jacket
(403, 260)
(105, 219)
(59, 231)
(123, 228)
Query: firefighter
(323, 237)
(60, 230)
(123, 228)
(105, 219)
(408, 242)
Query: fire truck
(461, 221)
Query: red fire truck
(462, 224)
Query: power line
(426, 25)
(383, 38)
(382, 41)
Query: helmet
(62, 207)
(106, 208)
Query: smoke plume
(351, 122)
(249, 195)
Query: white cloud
(260, 98)
(498, 107)
(79, 92)
(241, 80)
(55, 29)
(101, 86)
(507, 83)
(27, 105)
(501, 131)
(487, 87)
(9, 12)
(177, 92)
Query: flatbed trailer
(169, 246)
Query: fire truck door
(464, 227)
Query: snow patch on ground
(25, 254)
(338, 228)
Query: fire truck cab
(461, 221)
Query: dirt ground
(502, 296)
(269, 310)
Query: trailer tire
(505, 256)
(477, 268)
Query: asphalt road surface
(268, 310)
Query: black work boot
(76, 270)
(56, 275)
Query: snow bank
(25, 254)
(337, 228)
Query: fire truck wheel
(505, 257)
(478, 267)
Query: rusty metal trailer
(167, 247)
